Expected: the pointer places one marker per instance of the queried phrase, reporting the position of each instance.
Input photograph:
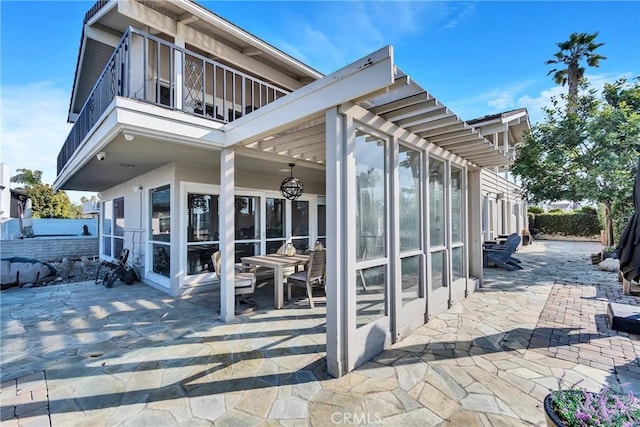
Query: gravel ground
(68, 271)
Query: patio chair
(513, 238)
(502, 257)
(313, 274)
(245, 285)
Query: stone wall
(50, 248)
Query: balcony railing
(149, 69)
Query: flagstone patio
(81, 354)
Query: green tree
(45, 203)
(586, 154)
(580, 47)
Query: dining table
(277, 262)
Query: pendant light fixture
(291, 188)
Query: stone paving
(85, 355)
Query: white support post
(335, 273)
(178, 63)
(227, 234)
(474, 218)
(505, 134)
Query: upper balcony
(149, 69)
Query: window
(409, 177)
(437, 223)
(113, 227)
(160, 230)
(300, 225)
(275, 213)
(371, 226)
(322, 220)
(202, 232)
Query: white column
(227, 234)
(335, 273)
(474, 219)
(178, 63)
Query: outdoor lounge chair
(502, 256)
(313, 274)
(245, 285)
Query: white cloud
(34, 127)
(468, 10)
(522, 94)
(340, 32)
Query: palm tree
(579, 47)
(27, 176)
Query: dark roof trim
(495, 116)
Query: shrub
(568, 224)
(535, 210)
(588, 210)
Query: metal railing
(152, 70)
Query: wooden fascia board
(364, 76)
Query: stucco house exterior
(186, 125)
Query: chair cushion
(244, 280)
(300, 276)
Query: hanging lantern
(291, 188)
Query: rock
(85, 261)
(609, 264)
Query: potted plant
(609, 252)
(576, 407)
(526, 237)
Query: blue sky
(476, 57)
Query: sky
(477, 58)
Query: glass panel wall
(203, 232)
(411, 278)
(456, 205)
(275, 232)
(371, 225)
(247, 221)
(436, 203)
(300, 225)
(113, 227)
(437, 223)
(409, 177)
(322, 220)
(160, 230)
